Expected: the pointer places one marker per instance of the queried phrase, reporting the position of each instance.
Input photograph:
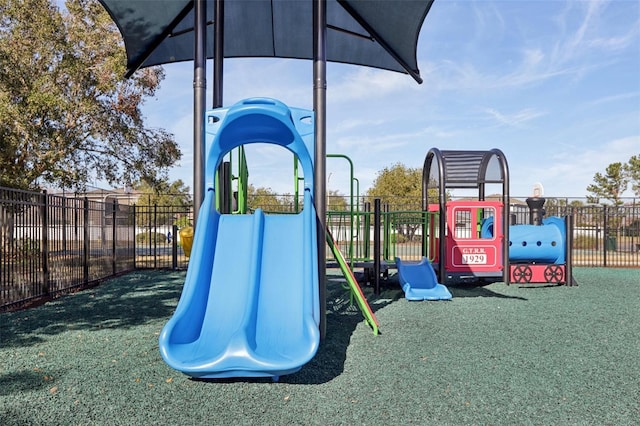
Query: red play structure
(471, 239)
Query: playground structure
(474, 240)
(241, 314)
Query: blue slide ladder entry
(250, 304)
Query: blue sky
(553, 84)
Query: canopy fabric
(375, 33)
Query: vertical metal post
(366, 237)
(86, 247)
(64, 223)
(45, 242)
(135, 225)
(568, 257)
(320, 108)
(114, 259)
(218, 54)
(376, 244)
(224, 173)
(154, 236)
(199, 104)
(605, 239)
(174, 247)
(386, 222)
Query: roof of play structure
(466, 169)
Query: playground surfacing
(495, 354)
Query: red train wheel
(554, 273)
(521, 274)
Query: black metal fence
(157, 236)
(52, 244)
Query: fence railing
(157, 236)
(52, 244)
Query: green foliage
(336, 202)
(165, 193)
(398, 182)
(154, 237)
(401, 188)
(164, 203)
(182, 222)
(268, 200)
(398, 238)
(585, 242)
(632, 170)
(67, 115)
(609, 186)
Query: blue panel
(544, 243)
(529, 243)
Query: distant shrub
(585, 242)
(398, 238)
(145, 237)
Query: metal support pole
(568, 274)
(218, 54)
(199, 104)
(320, 108)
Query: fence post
(135, 228)
(605, 238)
(85, 261)
(64, 223)
(113, 237)
(154, 237)
(174, 246)
(45, 242)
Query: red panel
(537, 274)
(466, 251)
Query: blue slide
(419, 281)
(250, 304)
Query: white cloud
(516, 119)
(366, 83)
(557, 95)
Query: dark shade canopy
(376, 33)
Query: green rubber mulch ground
(492, 355)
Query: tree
(398, 185)
(164, 203)
(609, 186)
(268, 200)
(632, 170)
(67, 116)
(336, 201)
(165, 193)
